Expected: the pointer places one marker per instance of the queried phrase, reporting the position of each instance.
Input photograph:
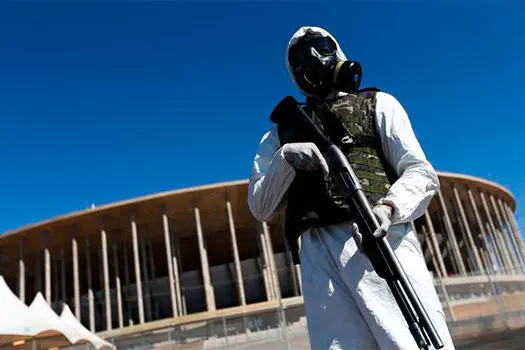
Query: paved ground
(507, 340)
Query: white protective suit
(347, 305)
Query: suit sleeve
(418, 182)
(270, 178)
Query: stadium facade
(198, 251)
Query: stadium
(193, 266)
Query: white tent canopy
(17, 321)
(70, 320)
(20, 323)
(40, 307)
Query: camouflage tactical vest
(314, 202)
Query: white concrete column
(140, 301)
(419, 235)
(448, 248)
(514, 241)
(514, 226)
(91, 296)
(496, 254)
(147, 296)
(472, 243)
(273, 268)
(169, 261)
(514, 223)
(499, 240)
(434, 241)
(516, 249)
(47, 267)
(177, 270)
(264, 263)
(433, 254)
(500, 222)
(452, 236)
(235, 250)
(105, 268)
(298, 268)
(76, 284)
(508, 245)
(484, 258)
(413, 226)
(428, 244)
(208, 288)
(464, 243)
(118, 289)
(63, 275)
(22, 273)
(484, 233)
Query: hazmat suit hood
(300, 34)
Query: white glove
(305, 156)
(383, 214)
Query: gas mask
(317, 69)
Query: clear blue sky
(101, 103)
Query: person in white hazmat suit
(347, 305)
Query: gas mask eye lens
(324, 50)
(325, 46)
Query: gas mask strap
(370, 89)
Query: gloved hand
(305, 156)
(383, 214)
